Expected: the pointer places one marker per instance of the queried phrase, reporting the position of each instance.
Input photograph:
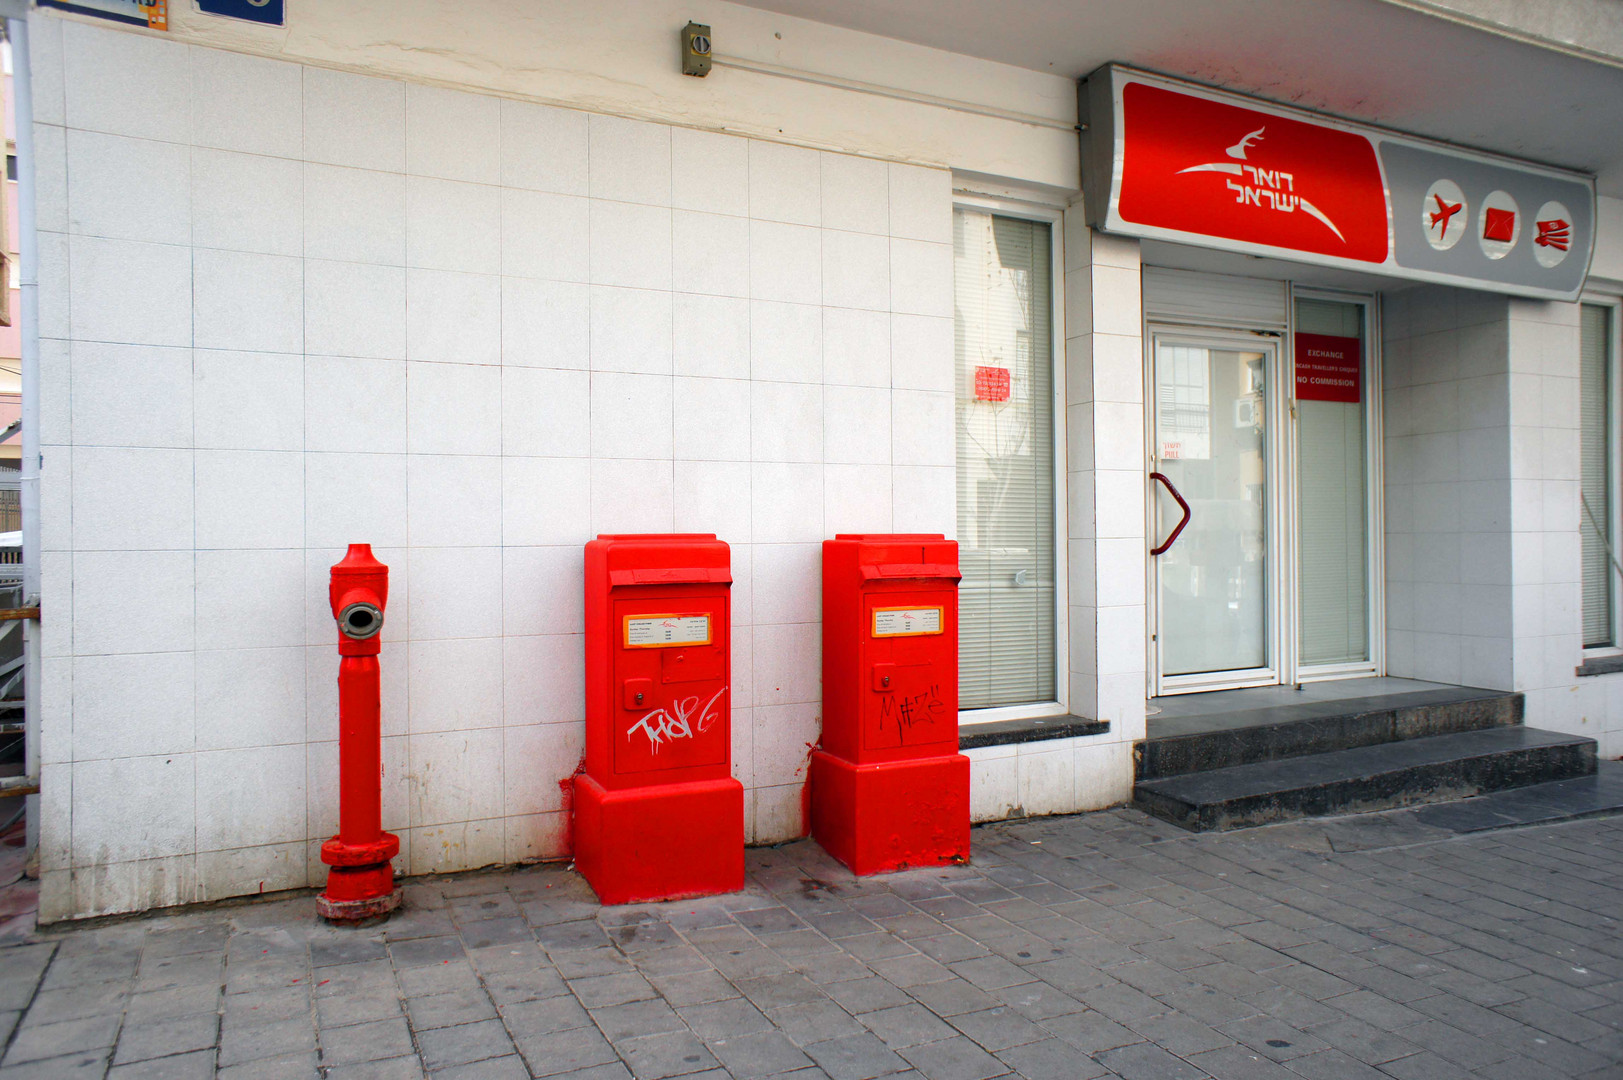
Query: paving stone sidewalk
(1104, 945)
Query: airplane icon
(1445, 211)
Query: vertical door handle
(1165, 482)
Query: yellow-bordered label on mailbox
(666, 631)
(906, 621)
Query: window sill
(1600, 665)
(1038, 729)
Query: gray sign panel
(1469, 218)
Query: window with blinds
(1595, 510)
(1003, 289)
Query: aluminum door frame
(1374, 496)
(1279, 579)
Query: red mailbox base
(660, 843)
(891, 815)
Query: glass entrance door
(1264, 522)
(1214, 547)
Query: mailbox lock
(639, 699)
(884, 680)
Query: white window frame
(1614, 452)
(1054, 218)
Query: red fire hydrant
(360, 884)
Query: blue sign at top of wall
(261, 11)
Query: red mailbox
(889, 788)
(658, 814)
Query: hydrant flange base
(357, 910)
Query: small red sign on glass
(991, 384)
(1328, 368)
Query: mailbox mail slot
(888, 787)
(658, 814)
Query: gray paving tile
(815, 1022)
(283, 1067)
(780, 990)
(635, 1018)
(613, 1070)
(854, 1057)
(1146, 1061)
(954, 997)
(998, 1028)
(1180, 1034)
(600, 991)
(758, 1054)
(398, 1068)
(181, 1001)
(693, 988)
(197, 1065)
(544, 1017)
(38, 1042)
(671, 1053)
(866, 994)
(80, 1002)
(1091, 1032)
(463, 1044)
(447, 1010)
(725, 1019)
(506, 1068)
(138, 1041)
(906, 1025)
(1334, 1065)
(258, 1007)
(532, 984)
(346, 948)
(560, 1052)
(1051, 1059)
(1273, 1038)
(377, 1040)
(1038, 1000)
(1424, 1066)
(954, 1059)
(89, 1065)
(425, 951)
(339, 1011)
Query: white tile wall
(1449, 476)
(473, 332)
(353, 120)
(1544, 627)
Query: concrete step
(1539, 804)
(1272, 734)
(1379, 777)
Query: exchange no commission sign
(1167, 160)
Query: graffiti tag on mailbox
(681, 720)
(909, 709)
